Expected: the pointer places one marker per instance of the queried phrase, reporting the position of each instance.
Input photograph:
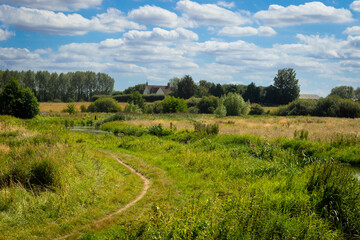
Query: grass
(204, 186)
(58, 107)
(52, 183)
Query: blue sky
(219, 41)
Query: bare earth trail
(146, 186)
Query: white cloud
(355, 30)
(312, 12)
(58, 23)
(159, 35)
(226, 4)
(247, 31)
(55, 5)
(154, 15)
(355, 5)
(5, 34)
(196, 14)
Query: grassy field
(204, 186)
(58, 107)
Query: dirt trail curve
(146, 186)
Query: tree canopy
(18, 101)
(346, 92)
(286, 85)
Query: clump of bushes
(256, 109)
(234, 105)
(207, 129)
(104, 105)
(159, 131)
(331, 106)
(115, 117)
(17, 101)
(70, 108)
(173, 105)
(132, 108)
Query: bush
(220, 111)
(192, 102)
(235, 104)
(209, 129)
(193, 110)
(70, 108)
(174, 105)
(300, 107)
(327, 107)
(208, 104)
(17, 101)
(256, 109)
(132, 108)
(115, 117)
(137, 99)
(83, 108)
(159, 131)
(104, 105)
(348, 108)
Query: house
(156, 89)
(309, 96)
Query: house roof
(309, 96)
(154, 88)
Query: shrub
(159, 131)
(192, 102)
(104, 105)
(327, 107)
(220, 111)
(132, 108)
(43, 174)
(348, 108)
(208, 104)
(210, 129)
(173, 105)
(256, 109)
(235, 104)
(299, 107)
(83, 108)
(17, 101)
(70, 108)
(137, 99)
(157, 107)
(193, 110)
(115, 117)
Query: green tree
(17, 101)
(186, 87)
(252, 93)
(234, 104)
(346, 92)
(217, 90)
(137, 99)
(208, 104)
(287, 85)
(173, 105)
(357, 94)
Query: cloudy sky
(220, 41)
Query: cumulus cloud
(159, 35)
(61, 24)
(355, 30)
(55, 5)
(247, 31)
(196, 14)
(5, 34)
(312, 12)
(355, 5)
(226, 4)
(154, 15)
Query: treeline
(65, 87)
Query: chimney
(146, 84)
(168, 84)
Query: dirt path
(146, 186)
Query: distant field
(319, 128)
(58, 107)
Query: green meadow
(206, 183)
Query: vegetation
(104, 105)
(17, 101)
(234, 105)
(174, 105)
(67, 87)
(286, 85)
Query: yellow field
(58, 107)
(319, 128)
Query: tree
(346, 92)
(217, 90)
(137, 99)
(252, 93)
(186, 87)
(17, 101)
(357, 94)
(234, 104)
(208, 104)
(173, 105)
(287, 85)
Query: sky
(140, 41)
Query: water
(86, 129)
